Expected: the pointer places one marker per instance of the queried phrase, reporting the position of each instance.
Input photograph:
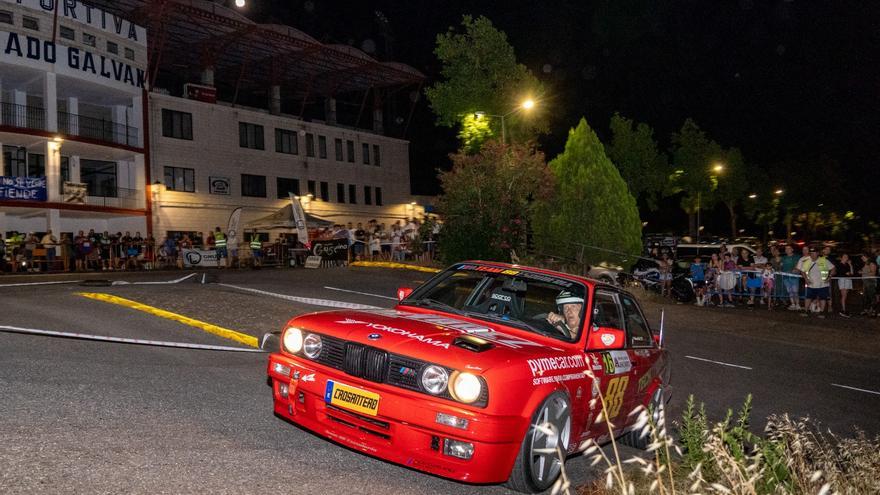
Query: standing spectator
(49, 242)
(375, 247)
(826, 253)
(768, 282)
(869, 284)
(396, 248)
(664, 265)
(210, 241)
(149, 252)
(360, 241)
(256, 246)
(755, 280)
(220, 247)
(169, 250)
(106, 250)
(67, 251)
(845, 270)
(712, 271)
(817, 271)
(30, 243)
(80, 242)
(775, 258)
(698, 277)
(727, 279)
(789, 279)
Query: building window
(350, 146)
(325, 191)
(113, 48)
(15, 159)
(365, 151)
(338, 144)
(250, 136)
(352, 194)
(180, 179)
(376, 155)
(5, 17)
(311, 187)
(30, 23)
(66, 33)
(310, 144)
(129, 53)
(322, 147)
(36, 165)
(368, 195)
(286, 142)
(89, 39)
(177, 125)
(65, 173)
(99, 177)
(340, 192)
(286, 186)
(378, 196)
(253, 186)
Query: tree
(488, 199)
(733, 184)
(591, 205)
(480, 74)
(634, 151)
(693, 155)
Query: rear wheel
(538, 464)
(655, 409)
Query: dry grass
(724, 457)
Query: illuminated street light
(239, 3)
(778, 192)
(526, 104)
(753, 196)
(718, 168)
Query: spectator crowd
(804, 281)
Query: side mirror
(271, 342)
(403, 293)
(606, 339)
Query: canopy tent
(283, 219)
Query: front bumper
(404, 431)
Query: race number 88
(614, 395)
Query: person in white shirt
(49, 242)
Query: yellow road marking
(226, 333)
(388, 264)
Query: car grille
(376, 365)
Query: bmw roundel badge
(374, 336)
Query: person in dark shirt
(698, 277)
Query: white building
(71, 110)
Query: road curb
(397, 266)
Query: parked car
(455, 380)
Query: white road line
(854, 388)
(41, 283)
(718, 362)
(361, 293)
(123, 340)
(306, 300)
(175, 281)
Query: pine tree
(592, 205)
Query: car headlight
(312, 346)
(293, 340)
(435, 379)
(466, 387)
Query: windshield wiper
(433, 303)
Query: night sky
(780, 79)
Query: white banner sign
(299, 217)
(199, 257)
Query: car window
(606, 312)
(541, 303)
(637, 330)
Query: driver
(569, 316)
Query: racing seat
(503, 302)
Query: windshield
(539, 303)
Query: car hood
(435, 337)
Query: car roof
(589, 282)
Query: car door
(642, 349)
(612, 368)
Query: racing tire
(656, 408)
(535, 472)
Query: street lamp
(526, 104)
(778, 192)
(753, 196)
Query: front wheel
(539, 464)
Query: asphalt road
(95, 417)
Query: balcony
(22, 117)
(97, 129)
(115, 197)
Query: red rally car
(455, 378)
